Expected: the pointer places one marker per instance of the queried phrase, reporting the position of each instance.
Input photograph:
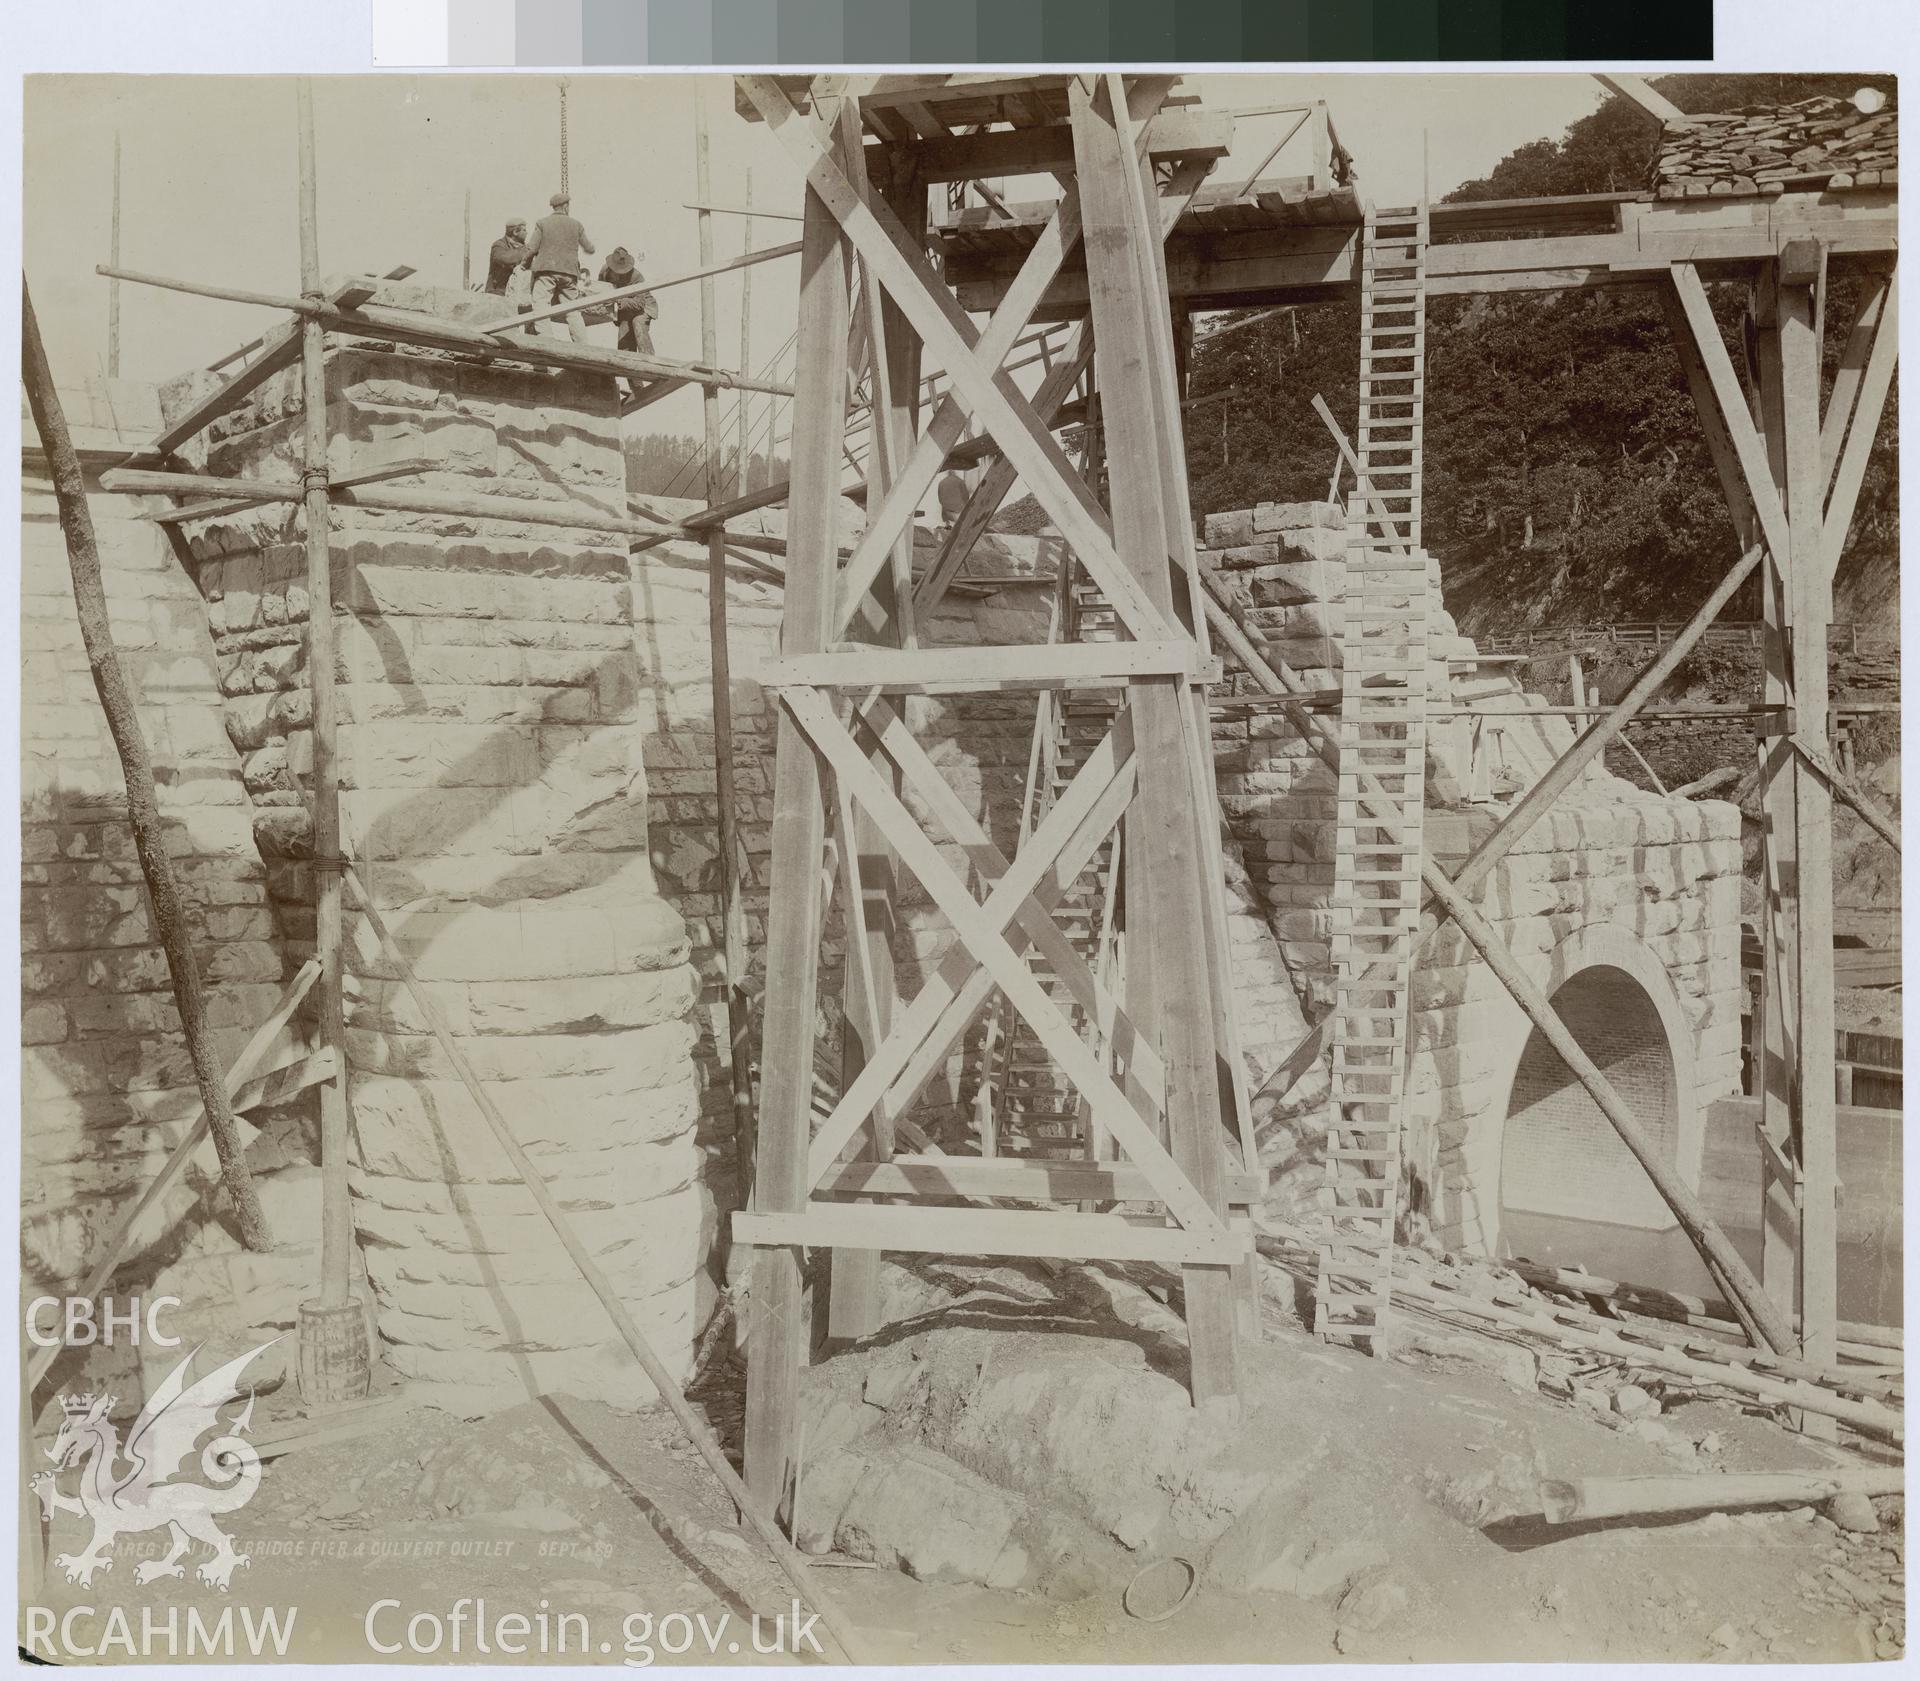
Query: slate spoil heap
(1819, 145)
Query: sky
(208, 185)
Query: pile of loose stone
(1820, 144)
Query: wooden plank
(1776, 1030)
(1726, 460)
(704, 273)
(1024, 666)
(1656, 105)
(777, 1340)
(574, 516)
(945, 329)
(1863, 805)
(1279, 265)
(279, 349)
(898, 92)
(1008, 1176)
(1000, 478)
(891, 516)
(281, 1085)
(1133, 1053)
(1166, 900)
(1850, 467)
(870, 870)
(894, 513)
(993, 1231)
(952, 999)
(406, 326)
(1150, 219)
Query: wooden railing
(1847, 635)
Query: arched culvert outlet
(1561, 1160)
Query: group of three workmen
(553, 255)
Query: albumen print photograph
(1056, 867)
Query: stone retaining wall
(106, 1084)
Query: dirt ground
(1430, 1469)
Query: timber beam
(1320, 263)
(1192, 134)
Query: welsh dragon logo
(156, 1489)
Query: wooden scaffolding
(1792, 471)
(1156, 1070)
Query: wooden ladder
(1382, 787)
(1393, 348)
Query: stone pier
(494, 794)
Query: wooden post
(466, 244)
(733, 936)
(143, 806)
(1166, 899)
(1795, 323)
(333, 1335)
(743, 455)
(778, 1335)
(113, 286)
(1776, 1079)
(872, 992)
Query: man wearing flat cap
(554, 254)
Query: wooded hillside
(1566, 475)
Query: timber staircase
(1382, 787)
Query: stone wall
(495, 793)
(107, 1087)
(1613, 877)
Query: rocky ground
(1366, 1510)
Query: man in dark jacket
(508, 253)
(554, 256)
(634, 315)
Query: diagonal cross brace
(1050, 853)
(946, 331)
(1128, 1044)
(979, 927)
(1748, 446)
(948, 424)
